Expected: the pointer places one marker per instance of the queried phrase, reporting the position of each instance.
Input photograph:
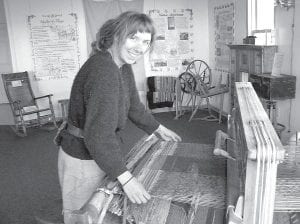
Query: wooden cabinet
(246, 59)
(254, 63)
(272, 88)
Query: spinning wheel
(200, 71)
(197, 81)
(196, 70)
(187, 82)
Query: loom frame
(241, 174)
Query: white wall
(289, 109)
(240, 31)
(200, 29)
(200, 17)
(5, 58)
(295, 119)
(240, 22)
(17, 12)
(5, 67)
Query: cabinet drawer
(244, 60)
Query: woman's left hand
(166, 134)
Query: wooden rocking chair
(25, 110)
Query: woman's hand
(166, 134)
(134, 190)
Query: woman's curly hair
(121, 27)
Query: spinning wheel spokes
(200, 70)
(187, 82)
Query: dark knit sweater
(102, 98)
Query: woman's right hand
(136, 192)
(133, 188)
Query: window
(261, 21)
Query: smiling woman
(103, 97)
(116, 31)
(133, 48)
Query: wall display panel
(55, 47)
(224, 35)
(174, 39)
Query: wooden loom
(187, 181)
(258, 180)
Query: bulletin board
(173, 46)
(224, 35)
(55, 47)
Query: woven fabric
(185, 172)
(183, 179)
(161, 84)
(161, 91)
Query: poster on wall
(224, 35)
(55, 47)
(173, 46)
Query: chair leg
(194, 101)
(178, 100)
(53, 116)
(23, 125)
(208, 106)
(19, 128)
(24, 129)
(54, 120)
(196, 108)
(17, 131)
(189, 101)
(221, 108)
(178, 104)
(52, 113)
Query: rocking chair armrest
(40, 97)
